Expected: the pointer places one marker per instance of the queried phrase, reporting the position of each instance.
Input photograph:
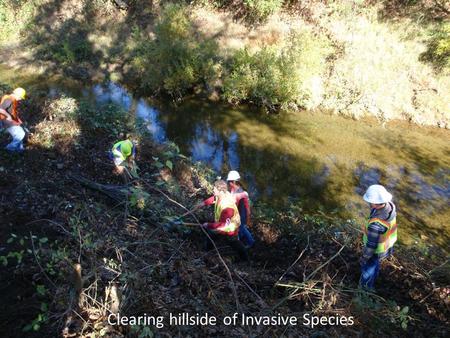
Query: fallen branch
(294, 293)
(116, 192)
(295, 262)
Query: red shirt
(225, 216)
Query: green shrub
(178, 58)
(259, 10)
(67, 46)
(277, 77)
(109, 118)
(438, 51)
(15, 16)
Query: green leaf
(41, 290)
(405, 310)
(43, 240)
(404, 325)
(27, 328)
(10, 240)
(169, 164)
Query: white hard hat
(233, 175)
(377, 194)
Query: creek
(320, 162)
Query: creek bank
(220, 54)
(125, 247)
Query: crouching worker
(379, 234)
(226, 219)
(122, 154)
(243, 204)
(9, 119)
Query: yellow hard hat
(20, 93)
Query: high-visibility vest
(117, 151)
(12, 108)
(232, 224)
(386, 240)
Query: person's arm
(244, 196)
(7, 119)
(10, 123)
(247, 208)
(225, 217)
(373, 235)
(208, 201)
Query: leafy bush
(15, 15)
(277, 77)
(69, 45)
(259, 10)
(439, 48)
(109, 118)
(178, 58)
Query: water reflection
(417, 188)
(207, 146)
(152, 121)
(112, 93)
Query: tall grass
(379, 72)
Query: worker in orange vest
(379, 234)
(9, 119)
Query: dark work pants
(232, 241)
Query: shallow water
(324, 162)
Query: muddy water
(322, 162)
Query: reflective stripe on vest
(232, 224)
(386, 240)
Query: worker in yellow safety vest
(226, 219)
(379, 234)
(123, 154)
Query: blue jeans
(18, 134)
(369, 273)
(245, 235)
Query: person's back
(10, 119)
(122, 154)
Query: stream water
(320, 161)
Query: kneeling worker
(122, 154)
(379, 234)
(9, 119)
(226, 219)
